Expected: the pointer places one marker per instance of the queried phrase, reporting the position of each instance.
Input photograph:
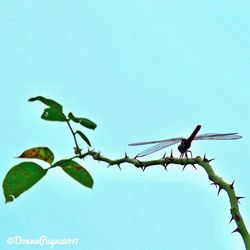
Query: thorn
(126, 156)
(215, 184)
(136, 156)
(237, 217)
(236, 230)
(231, 219)
(194, 166)
(163, 157)
(139, 162)
(220, 188)
(206, 160)
(165, 165)
(239, 197)
(232, 185)
(108, 165)
(171, 155)
(204, 157)
(98, 156)
(140, 165)
(119, 166)
(211, 160)
(91, 151)
(190, 164)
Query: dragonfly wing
(216, 136)
(174, 140)
(158, 147)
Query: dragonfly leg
(190, 153)
(186, 155)
(181, 155)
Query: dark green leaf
(52, 114)
(83, 121)
(77, 172)
(20, 178)
(49, 102)
(73, 118)
(41, 153)
(84, 137)
(87, 123)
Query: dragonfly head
(183, 147)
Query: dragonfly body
(185, 143)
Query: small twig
(75, 140)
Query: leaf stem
(74, 136)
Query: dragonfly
(185, 143)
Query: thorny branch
(219, 183)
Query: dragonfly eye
(181, 148)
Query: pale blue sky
(141, 70)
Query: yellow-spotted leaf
(20, 178)
(77, 172)
(41, 153)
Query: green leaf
(41, 153)
(20, 178)
(77, 172)
(83, 121)
(53, 114)
(84, 137)
(49, 102)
